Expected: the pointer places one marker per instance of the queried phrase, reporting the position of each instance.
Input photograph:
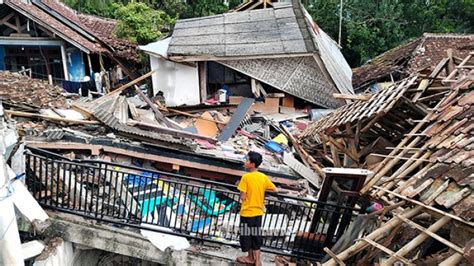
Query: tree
(94, 7)
(201, 8)
(371, 27)
(139, 23)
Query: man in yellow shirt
(252, 187)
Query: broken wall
(178, 82)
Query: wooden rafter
(253, 4)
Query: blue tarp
(141, 180)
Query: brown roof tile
(424, 52)
(457, 172)
(59, 28)
(467, 99)
(452, 195)
(100, 28)
(104, 29)
(465, 208)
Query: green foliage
(201, 8)
(138, 22)
(94, 7)
(371, 27)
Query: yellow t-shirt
(254, 185)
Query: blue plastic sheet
(199, 224)
(141, 180)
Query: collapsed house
(419, 55)
(142, 177)
(166, 175)
(271, 53)
(416, 137)
(50, 41)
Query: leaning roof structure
(278, 38)
(422, 53)
(91, 34)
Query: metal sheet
(235, 120)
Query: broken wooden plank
(301, 169)
(129, 84)
(192, 115)
(352, 97)
(158, 115)
(418, 240)
(374, 236)
(334, 256)
(51, 118)
(431, 234)
(170, 131)
(387, 251)
(421, 204)
(86, 113)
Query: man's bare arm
(243, 196)
(273, 189)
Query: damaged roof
(100, 28)
(104, 29)
(272, 31)
(421, 53)
(49, 22)
(298, 76)
(451, 142)
(89, 33)
(378, 103)
(283, 38)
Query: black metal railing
(192, 207)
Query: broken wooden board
(235, 120)
(301, 169)
(205, 126)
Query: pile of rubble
(417, 138)
(17, 89)
(223, 131)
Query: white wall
(179, 83)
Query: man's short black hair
(255, 157)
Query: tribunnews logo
(258, 231)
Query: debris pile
(17, 89)
(128, 156)
(416, 136)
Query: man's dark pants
(250, 233)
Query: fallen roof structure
(416, 136)
(80, 44)
(420, 54)
(279, 46)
